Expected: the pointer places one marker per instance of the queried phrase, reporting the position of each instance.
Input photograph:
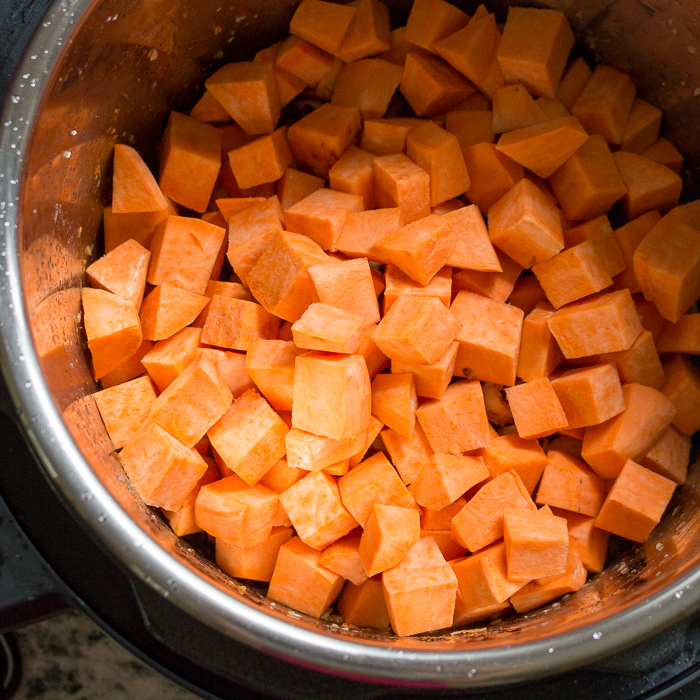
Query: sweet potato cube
(315, 452)
(397, 283)
(314, 506)
(590, 395)
(162, 470)
(323, 24)
(134, 189)
(681, 336)
(470, 126)
(300, 583)
(363, 605)
(552, 108)
(122, 272)
(249, 437)
(473, 249)
(416, 330)
(647, 415)
(526, 225)
(420, 248)
(294, 185)
(363, 229)
(230, 206)
(354, 174)
(446, 478)
(526, 294)
(536, 543)
(182, 520)
(667, 267)
(439, 520)
(124, 408)
(420, 590)
(348, 286)
(664, 152)
(535, 48)
(489, 340)
(600, 235)
(373, 481)
(168, 309)
(248, 92)
(492, 174)
(119, 228)
(543, 148)
(399, 182)
(640, 364)
(369, 32)
(129, 369)
(589, 541)
(682, 388)
(394, 402)
(368, 85)
(669, 456)
(457, 422)
(514, 108)
(303, 61)
(651, 319)
(494, 285)
(183, 253)
(235, 323)
(536, 408)
(339, 383)
(635, 503)
(539, 352)
(255, 563)
(270, 363)
(193, 402)
(525, 457)
(388, 535)
(168, 358)
(261, 161)
(650, 185)
(321, 137)
(480, 522)
(438, 153)
(375, 359)
(343, 558)
(328, 328)
(408, 456)
(321, 216)
(430, 85)
(642, 128)
(432, 20)
(190, 161)
(589, 183)
(604, 105)
(569, 484)
(112, 327)
(231, 367)
(605, 323)
(430, 381)
(576, 76)
(286, 295)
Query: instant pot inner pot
(116, 77)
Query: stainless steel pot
(99, 72)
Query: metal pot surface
(98, 72)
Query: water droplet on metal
(27, 385)
(597, 635)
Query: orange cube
(324, 523)
(494, 285)
(642, 128)
(231, 367)
(604, 323)
(430, 381)
(682, 388)
(669, 456)
(248, 92)
(270, 364)
(446, 478)
(480, 522)
(432, 20)
(527, 293)
(339, 383)
(161, 469)
(535, 48)
(303, 60)
(321, 216)
(363, 605)
(576, 75)
(386, 137)
(224, 289)
(399, 182)
(473, 249)
(124, 408)
(526, 225)
(470, 126)
(569, 484)
(119, 228)
(682, 336)
(167, 310)
(182, 520)
(589, 183)
(343, 558)
(323, 24)
(261, 161)
(375, 359)
(640, 364)
(288, 295)
(439, 520)
(167, 359)
(537, 544)
(408, 456)
(255, 563)
(363, 229)
(299, 582)
(635, 503)
(416, 330)
(397, 283)
(589, 541)
(539, 352)
(394, 402)
(600, 235)
(647, 415)
(420, 590)
(664, 152)
(511, 452)
(457, 422)
(192, 403)
(129, 369)
(514, 109)
(492, 174)
(489, 340)
(367, 84)
(369, 31)
(321, 137)
(430, 85)
(294, 185)
(236, 323)
(189, 147)
(324, 327)
(354, 174)
(134, 189)
(536, 408)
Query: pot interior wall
(127, 66)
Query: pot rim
(73, 480)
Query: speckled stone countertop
(68, 656)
